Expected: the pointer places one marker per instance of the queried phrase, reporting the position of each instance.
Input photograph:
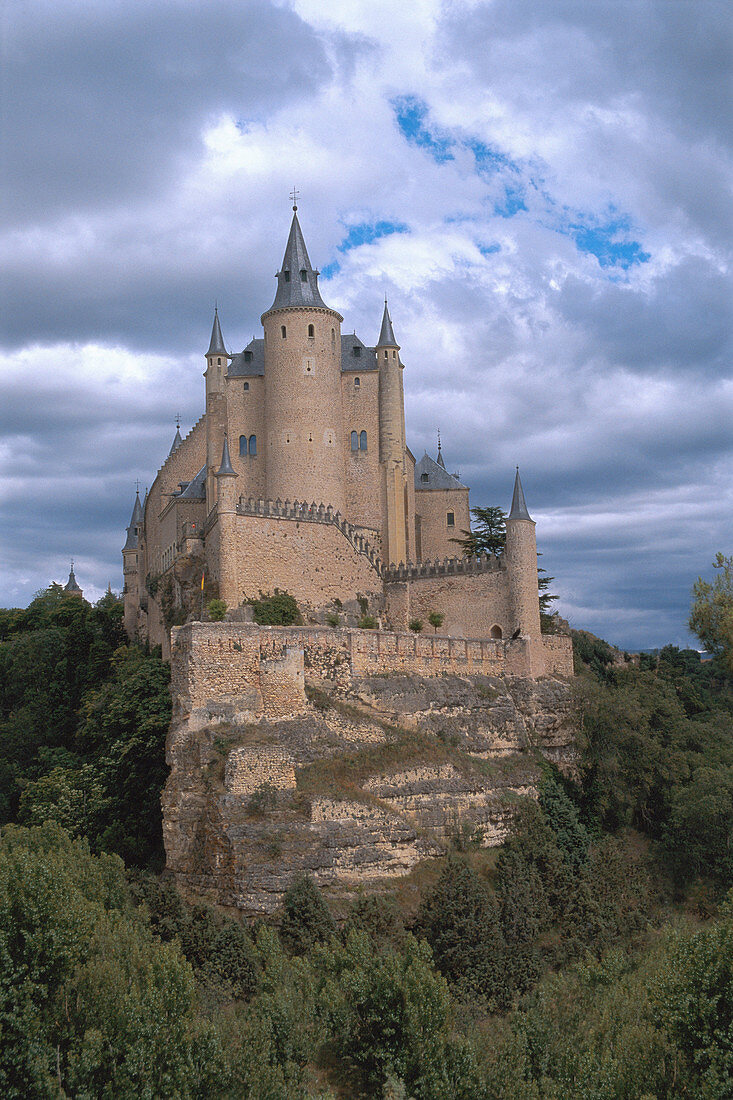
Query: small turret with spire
(71, 587)
(177, 440)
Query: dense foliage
(556, 967)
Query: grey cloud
(102, 102)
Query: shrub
(278, 609)
(217, 610)
(367, 622)
(436, 620)
(416, 626)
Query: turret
(71, 587)
(177, 440)
(392, 441)
(131, 567)
(304, 446)
(217, 361)
(226, 478)
(521, 559)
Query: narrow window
(219, 362)
(286, 276)
(246, 386)
(311, 330)
(242, 445)
(248, 356)
(333, 338)
(253, 444)
(283, 331)
(451, 519)
(362, 441)
(386, 355)
(354, 441)
(496, 632)
(303, 275)
(357, 383)
(394, 354)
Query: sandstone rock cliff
(368, 780)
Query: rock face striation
(351, 777)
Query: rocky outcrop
(357, 788)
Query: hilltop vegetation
(591, 956)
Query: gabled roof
(250, 362)
(297, 282)
(356, 356)
(429, 475)
(196, 489)
(216, 344)
(519, 507)
(386, 335)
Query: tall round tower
(521, 559)
(392, 443)
(305, 434)
(217, 361)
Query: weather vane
(178, 420)
(294, 196)
(137, 484)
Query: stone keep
(298, 476)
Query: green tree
(488, 535)
(306, 918)
(711, 614)
(436, 620)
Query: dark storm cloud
(103, 101)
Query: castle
(298, 477)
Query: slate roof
(386, 335)
(250, 362)
(196, 489)
(216, 344)
(297, 282)
(71, 585)
(519, 507)
(226, 469)
(362, 359)
(176, 442)
(136, 520)
(437, 477)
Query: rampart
(242, 672)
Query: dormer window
(286, 276)
(303, 275)
(248, 356)
(356, 350)
(424, 477)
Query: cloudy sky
(541, 187)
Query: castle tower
(305, 435)
(392, 443)
(521, 558)
(217, 361)
(226, 478)
(131, 568)
(71, 587)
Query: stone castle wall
(239, 671)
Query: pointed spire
(519, 508)
(297, 282)
(439, 459)
(226, 469)
(135, 524)
(177, 440)
(71, 584)
(386, 336)
(216, 345)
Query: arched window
(246, 386)
(386, 355)
(242, 445)
(311, 330)
(253, 444)
(354, 441)
(362, 441)
(357, 383)
(218, 362)
(496, 632)
(283, 331)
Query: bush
(279, 609)
(217, 609)
(436, 620)
(416, 626)
(367, 622)
(306, 918)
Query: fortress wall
(361, 413)
(558, 654)
(433, 506)
(472, 602)
(246, 416)
(223, 671)
(312, 561)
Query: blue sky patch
(609, 242)
(412, 114)
(366, 232)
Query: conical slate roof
(297, 282)
(71, 585)
(386, 335)
(439, 459)
(176, 442)
(226, 469)
(216, 344)
(135, 523)
(519, 508)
